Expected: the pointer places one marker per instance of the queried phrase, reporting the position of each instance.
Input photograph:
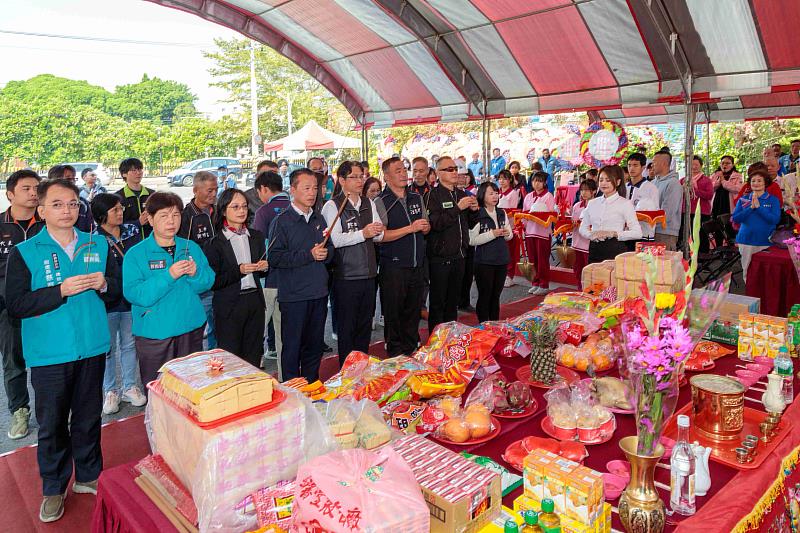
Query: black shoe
(326, 348)
(466, 308)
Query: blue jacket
(263, 220)
(549, 166)
(58, 330)
(163, 307)
(300, 277)
(476, 167)
(496, 165)
(787, 166)
(757, 224)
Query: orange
(582, 364)
(568, 360)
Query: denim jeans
(211, 339)
(119, 324)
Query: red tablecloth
(772, 277)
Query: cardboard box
(534, 470)
(585, 497)
(669, 267)
(462, 496)
(723, 331)
(735, 304)
(525, 503)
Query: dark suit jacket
(228, 278)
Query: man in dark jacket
(196, 225)
(254, 200)
(134, 195)
(402, 259)
(353, 235)
(449, 211)
(57, 283)
(269, 187)
(18, 224)
(297, 253)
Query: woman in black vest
(488, 236)
(355, 266)
(236, 254)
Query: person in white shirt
(509, 199)
(643, 194)
(355, 265)
(610, 220)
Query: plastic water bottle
(785, 368)
(682, 469)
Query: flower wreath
(607, 125)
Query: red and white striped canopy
(394, 62)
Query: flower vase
(640, 507)
(654, 402)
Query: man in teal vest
(57, 283)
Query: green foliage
(152, 99)
(746, 141)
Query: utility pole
(254, 137)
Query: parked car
(184, 176)
(98, 168)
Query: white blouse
(611, 214)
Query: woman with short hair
(758, 213)
(163, 278)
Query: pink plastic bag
(359, 490)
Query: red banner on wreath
(543, 218)
(653, 217)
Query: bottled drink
(785, 369)
(682, 472)
(548, 520)
(510, 527)
(531, 523)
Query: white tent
(312, 136)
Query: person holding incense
(163, 277)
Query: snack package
(355, 424)
(571, 299)
(359, 490)
(365, 377)
(512, 341)
(429, 384)
(508, 480)
(273, 505)
(458, 351)
(568, 317)
(404, 415)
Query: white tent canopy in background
(312, 136)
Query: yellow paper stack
(630, 270)
(598, 274)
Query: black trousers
(469, 275)
(75, 387)
(445, 292)
(302, 334)
(240, 328)
(355, 307)
(401, 301)
(489, 280)
(608, 249)
(152, 353)
(15, 378)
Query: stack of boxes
(725, 328)
(598, 275)
(761, 335)
(576, 491)
(630, 269)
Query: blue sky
(103, 63)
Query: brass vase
(640, 507)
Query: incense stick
(336, 218)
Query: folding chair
(723, 256)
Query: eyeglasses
(238, 207)
(59, 206)
(448, 169)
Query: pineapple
(542, 336)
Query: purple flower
(645, 421)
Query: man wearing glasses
(57, 283)
(355, 265)
(449, 211)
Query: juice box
(761, 325)
(746, 324)
(534, 472)
(585, 495)
(557, 480)
(777, 330)
(525, 503)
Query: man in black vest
(402, 254)
(450, 211)
(355, 265)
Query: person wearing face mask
(163, 278)
(610, 220)
(758, 212)
(236, 255)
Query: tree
(286, 93)
(152, 99)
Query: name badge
(447, 205)
(158, 264)
(91, 257)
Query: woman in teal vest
(163, 277)
(56, 283)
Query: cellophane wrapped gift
(360, 491)
(598, 275)
(669, 268)
(224, 465)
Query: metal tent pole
(708, 141)
(691, 110)
(485, 142)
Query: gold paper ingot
(718, 405)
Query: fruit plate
(565, 374)
(486, 438)
(601, 434)
(511, 414)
